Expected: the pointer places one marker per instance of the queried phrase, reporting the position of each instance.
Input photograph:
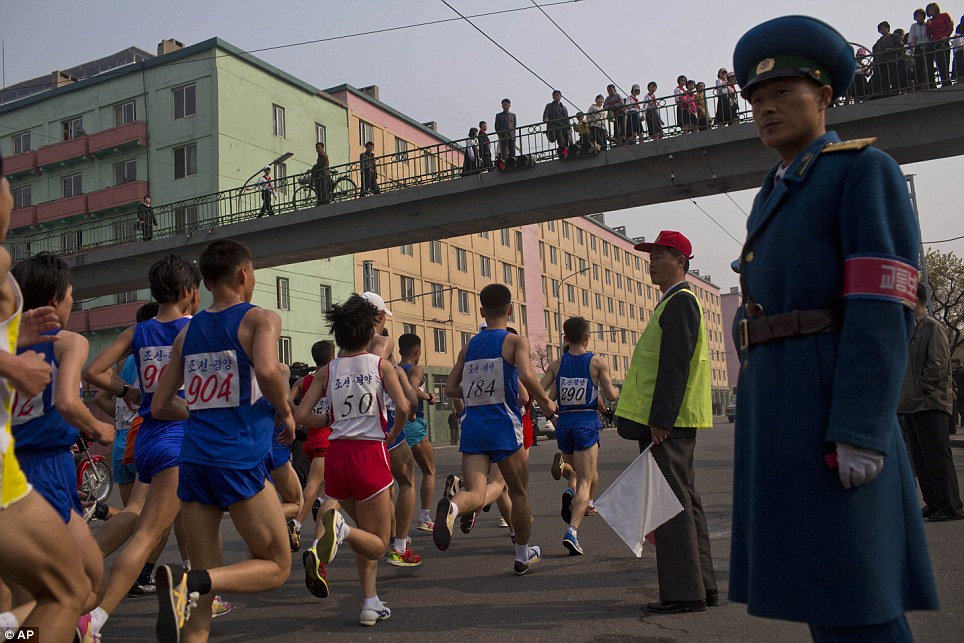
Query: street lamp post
(559, 304)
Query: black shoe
(926, 511)
(944, 515)
(315, 506)
(676, 607)
(712, 597)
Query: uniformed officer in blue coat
(827, 527)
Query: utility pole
(559, 306)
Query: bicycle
(304, 196)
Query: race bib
(354, 396)
(322, 407)
(211, 380)
(573, 390)
(152, 360)
(483, 382)
(26, 409)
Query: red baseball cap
(669, 239)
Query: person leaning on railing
(651, 104)
(614, 105)
(918, 40)
(596, 117)
(369, 175)
(940, 27)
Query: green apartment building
(88, 143)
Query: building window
(185, 161)
(598, 301)
(543, 285)
(73, 185)
(622, 308)
(553, 255)
(281, 177)
(408, 329)
(625, 363)
(284, 349)
(555, 288)
(599, 331)
(125, 172)
(595, 271)
(407, 249)
(429, 162)
(278, 120)
(632, 311)
(22, 197)
(185, 219)
(461, 261)
(281, 288)
(438, 296)
(408, 289)
(435, 251)
(568, 259)
(484, 235)
(463, 297)
(582, 264)
(555, 321)
(366, 133)
(321, 134)
(522, 276)
(592, 241)
(324, 295)
(545, 318)
(485, 266)
(542, 252)
(615, 253)
(605, 248)
(551, 226)
(565, 229)
(522, 314)
(619, 280)
(465, 337)
(401, 149)
(506, 237)
(377, 282)
(611, 304)
(73, 128)
(124, 113)
(185, 103)
(507, 274)
(609, 277)
(21, 143)
(71, 242)
(585, 297)
(518, 240)
(637, 262)
(440, 340)
(579, 236)
(571, 293)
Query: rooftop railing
(888, 73)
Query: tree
(541, 358)
(945, 276)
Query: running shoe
(316, 575)
(502, 522)
(370, 616)
(294, 535)
(220, 607)
(175, 602)
(445, 516)
(467, 521)
(486, 508)
(85, 630)
(570, 542)
(140, 589)
(315, 506)
(566, 512)
(535, 555)
(556, 468)
(336, 529)
(591, 511)
(453, 484)
(408, 559)
(426, 525)
(89, 511)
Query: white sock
(455, 508)
(97, 618)
(401, 545)
(9, 622)
(522, 553)
(186, 565)
(314, 543)
(572, 530)
(297, 524)
(591, 503)
(372, 603)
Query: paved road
(470, 592)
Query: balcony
(62, 208)
(118, 138)
(21, 164)
(104, 317)
(23, 217)
(60, 153)
(116, 197)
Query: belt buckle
(744, 334)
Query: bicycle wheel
(343, 188)
(96, 482)
(304, 197)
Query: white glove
(857, 466)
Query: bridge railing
(884, 74)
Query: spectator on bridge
(470, 162)
(146, 219)
(702, 111)
(863, 70)
(598, 134)
(687, 102)
(634, 115)
(266, 186)
(369, 173)
(957, 47)
(581, 127)
(556, 118)
(485, 148)
(918, 41)
(940, 27)
(727, 107)
(505, 129)
(678, 92)
(616, 109)
(654, 121)
(320, 175)
(886, 78)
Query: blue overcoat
(804, 548)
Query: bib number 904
(211, 380)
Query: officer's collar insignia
(765, 65)
(804, 162)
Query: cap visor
(770, 75)
(645, 247)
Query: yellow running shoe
(174, 602)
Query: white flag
(638, 501)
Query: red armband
(884, 278)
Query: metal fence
(689, 112)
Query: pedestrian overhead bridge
(427, 195)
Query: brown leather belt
(763, 329)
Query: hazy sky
(451, 74)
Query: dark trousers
(506, 146)
(923, 67)
(265, 204)
(929, 445)
(895, 631)
(684, 564)
(323, 190)
(942, 56)
(147, 230)
(369, 182)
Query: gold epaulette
(856, 144)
